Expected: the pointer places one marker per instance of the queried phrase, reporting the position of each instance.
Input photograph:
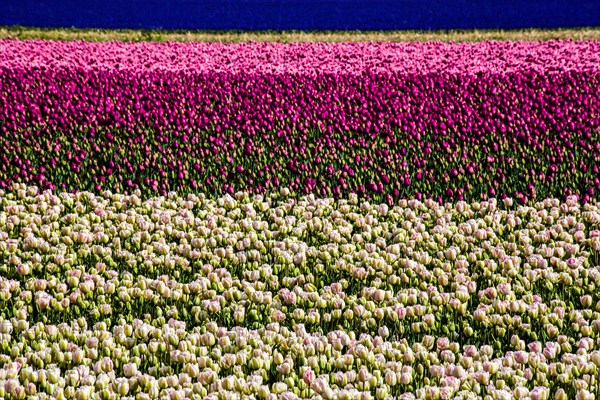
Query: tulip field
(299, 221)
(384, 120)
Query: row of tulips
(462, 90)
(174, 361)
(111, 295)
(377, 168)
(385, 121)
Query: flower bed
(385, 121)
(277, 297)
(202, 278)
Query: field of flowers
(277, 297)
(311, 220)
(451, 122)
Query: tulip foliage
(386, 121)
(114, 296)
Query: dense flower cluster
(382, 120)
(251, 296)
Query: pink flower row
(496, 57)
(433, 119)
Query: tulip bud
(451, 254)
(406, 378)
(130, 370)
(308, 376)
(586, 301)
(560, 395)
(583, 394)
